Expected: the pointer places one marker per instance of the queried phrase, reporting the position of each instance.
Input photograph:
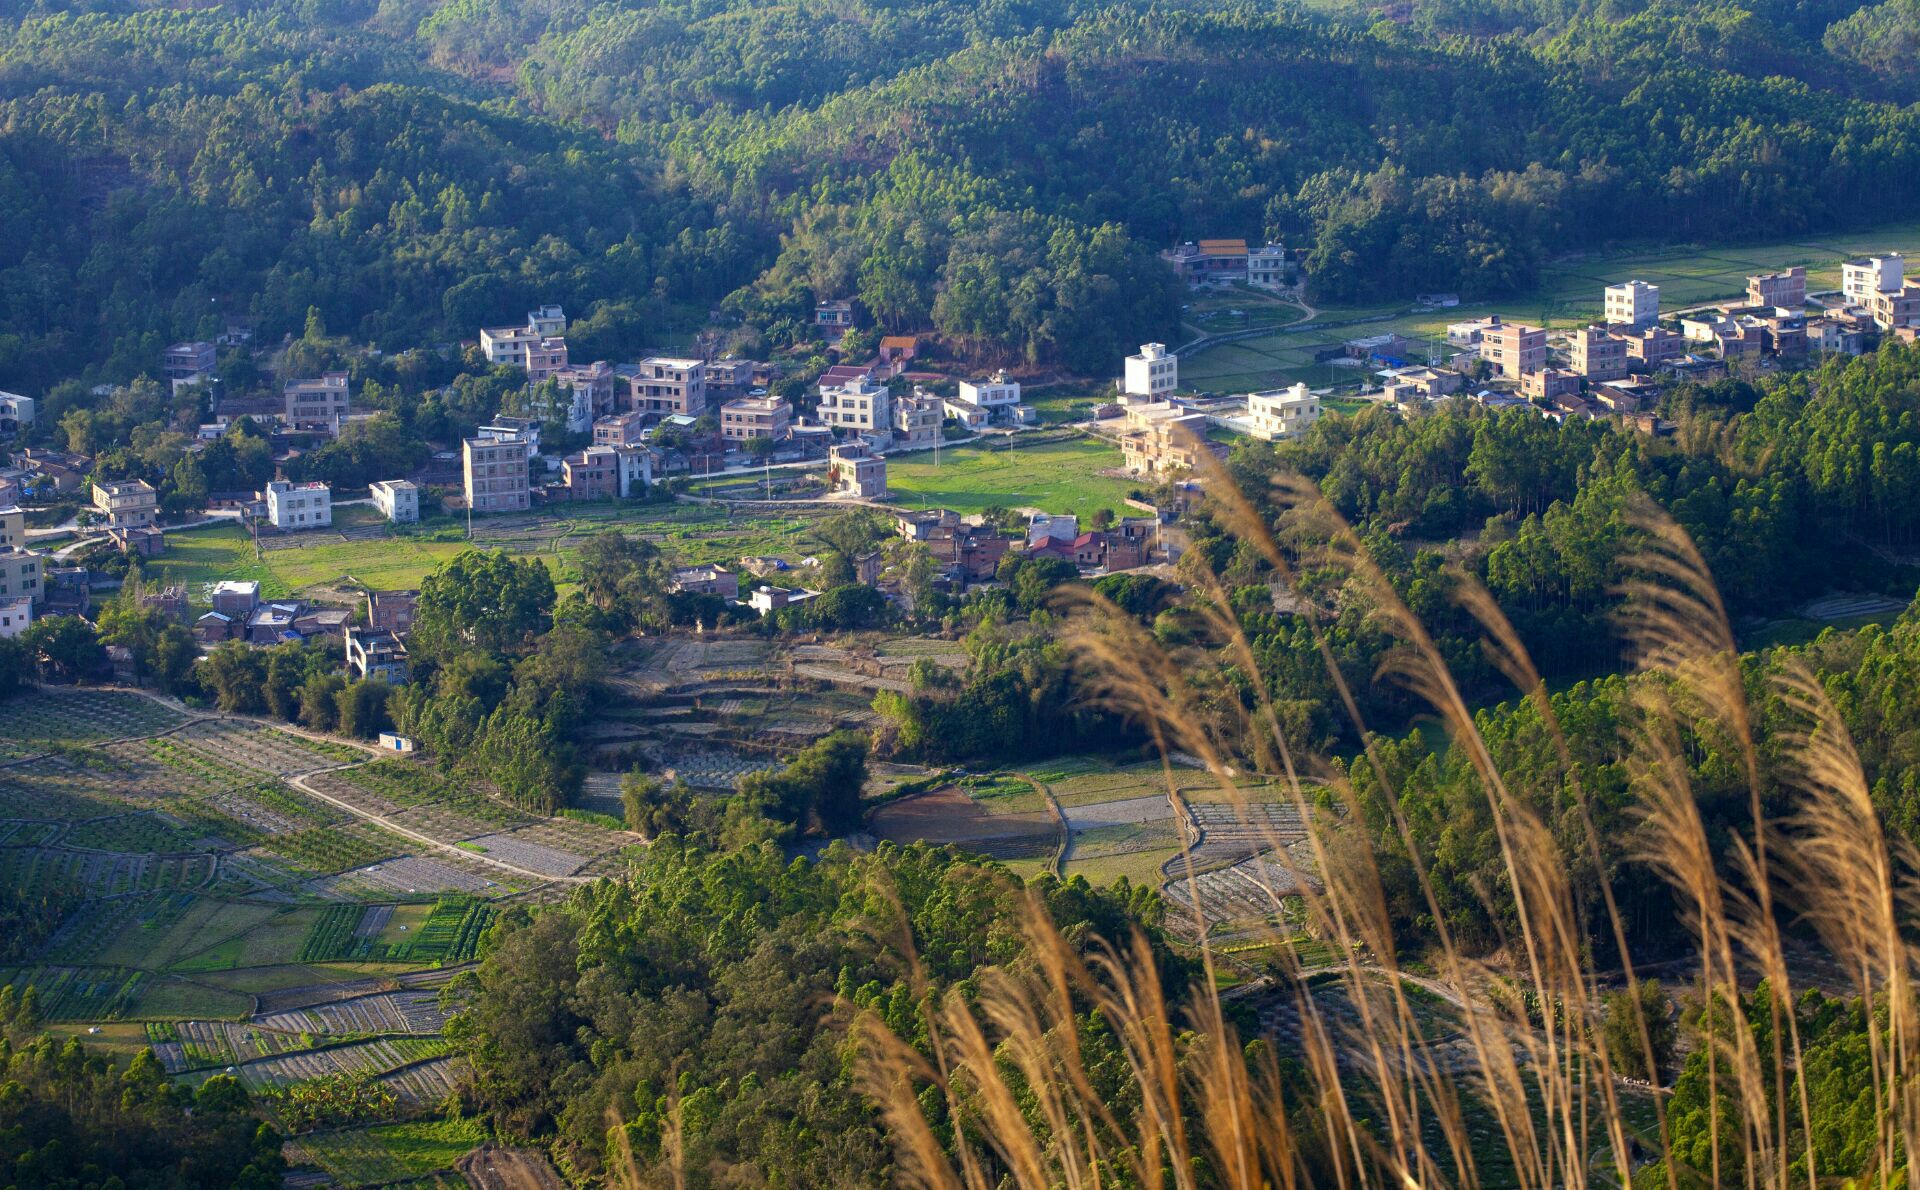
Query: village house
(372, 653)
(592, 474)
(392, 611)
(13, 527)
(16, 412)
(1282, 412)
(1471, 332)
(127, 503)
(170, 602)
(756, 417)
(1597, 354)
(1649, 348)
(896, 351)
(295, 506)
(495, 473)
(917, 420)
(140, 541)
(1632, 304)
(858, 405)
(397, 499)
(1865, 276)
(1268, 268)
(620, 430)
(1152, 373)
(706, 580)
(16, 616)
(317, 404)
(20, 575)
(1209, 262)
(1548, 384)
(1514, 349)
(997, 398)
(594, 388)
(235, 597)
(663, 384)
(536, 346)
(833, 318)
(184, 361)
(1785, 290)
(855, 470)
(1168, 445)
(1415, 385)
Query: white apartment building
(992, 394)
(1282, 412)
(496, 473)
(859, 404)
(547, 321)
(397, 499)
(16, 616)
(16, 411)
(1153, 372)
(1267, 267)
(1865, 276)
(295, 506)
(1633, 303)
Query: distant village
(718, 421)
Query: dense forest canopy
(1003, 173)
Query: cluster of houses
(374, 649)
(1232, 262)
(968, 551)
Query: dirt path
(300, 782)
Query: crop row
(325, 851)
(335, 936)
(83, 993)
(94, 715)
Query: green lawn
(202, 556)
(1569, 295)
(1056, 477)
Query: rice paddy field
(236, 896)
(1569, 295)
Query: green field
(198, 557)
(1569, 295)
(1055, 477)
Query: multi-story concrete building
(16, 616)
(16, 412)
(496, 473)
(1648, 349)
(295, 506)
(126, 504)
(1865, 276)
(542, 355)
(397, 499)
(858, 404)
(548, 321)
(1470, 332)
(1514, 349)
(595, 387)
(1597, 353)
(1209, 262)
(1282, 412)
(1632, 303)
(1548, 384)
(1785, 290)
(706, 580)
(13, 527)
(635, 472)
(1169, 444)
(235, 597)
(1897, 307)
(319, 403)
(1267, 267)
(833, 318)
(996, 396)
(1422, 384)
(183, 361)
(853, 468)
(392, 611)
(1153, 372)
(755, 417)
(20, 576)
(372, 653)
(621, 430)
(592, 474)
(917, 420)
(666, 385)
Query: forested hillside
(1003, 173)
